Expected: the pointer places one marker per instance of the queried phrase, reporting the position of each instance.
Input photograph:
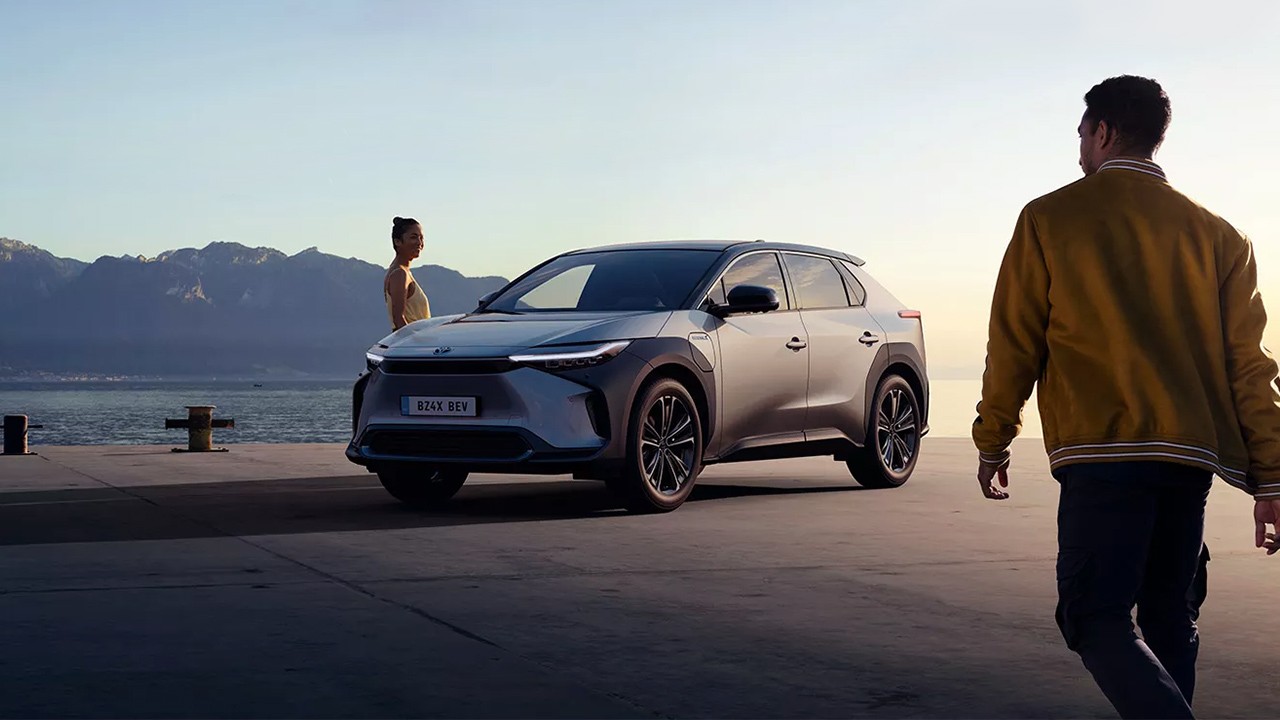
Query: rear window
(857, 293)
(817, 282)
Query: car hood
(496, 335)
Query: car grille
(449, 444)
(446, 367)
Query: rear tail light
(909, 314)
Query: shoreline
(194, 380)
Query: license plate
(438, 406)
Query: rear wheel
(893, 437)
(664, 449)
(421, 487)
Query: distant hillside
(223, 310)
(29, 274)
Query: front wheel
(893, 437)
(664, 449)
(423, 488)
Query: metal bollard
(15, 435)
(199, 424)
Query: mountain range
(224, 310)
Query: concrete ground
(282, 581)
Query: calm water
(284, 411)
(133, 413)
(955, 405)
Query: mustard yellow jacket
(1136, 314)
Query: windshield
(608, 281)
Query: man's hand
(1266, 512)
(988, 473)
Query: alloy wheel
(897, 433)
(668, 445)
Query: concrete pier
(282, 581)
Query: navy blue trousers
(1132, 535)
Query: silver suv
(639, 364)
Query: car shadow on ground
(311, 505)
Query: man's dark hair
(1137, 108)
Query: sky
(907, 132)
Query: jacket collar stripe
(1142, 166)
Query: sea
(133, 412)
(286, 411)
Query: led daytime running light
(571, 360)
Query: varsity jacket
(1135, 314)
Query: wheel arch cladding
(673, 358)
(908, 373)
(897, 359)
(693, 384)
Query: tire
(664, 449)
(422, 487)
(893, 437)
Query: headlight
(372, 359)
(571, 359)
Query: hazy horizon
(908, 133)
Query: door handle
(868, 339)
(797, 344)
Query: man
(1137, 312)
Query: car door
(764, 368)
(843, 342)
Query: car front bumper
(528, 420)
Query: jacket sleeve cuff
(1267, 491)
(996, 460)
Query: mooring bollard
(15, 434)
(199, 424)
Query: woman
(405, 300)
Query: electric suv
(639, 364)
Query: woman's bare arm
(398, 289)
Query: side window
(857, 293)
(758, 269)
(817, 282)
(717, 294)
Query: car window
(559, 291)
(756, 269)
(817, 282)
(609, 281)
(857, 293)
(717, 294)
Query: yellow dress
(417, 307)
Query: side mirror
(749, 299)
(486, 299)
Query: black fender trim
(677, 352)
(896, 353)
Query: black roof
(719, 246)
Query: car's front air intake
(449, 444)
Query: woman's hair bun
(400, 225)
